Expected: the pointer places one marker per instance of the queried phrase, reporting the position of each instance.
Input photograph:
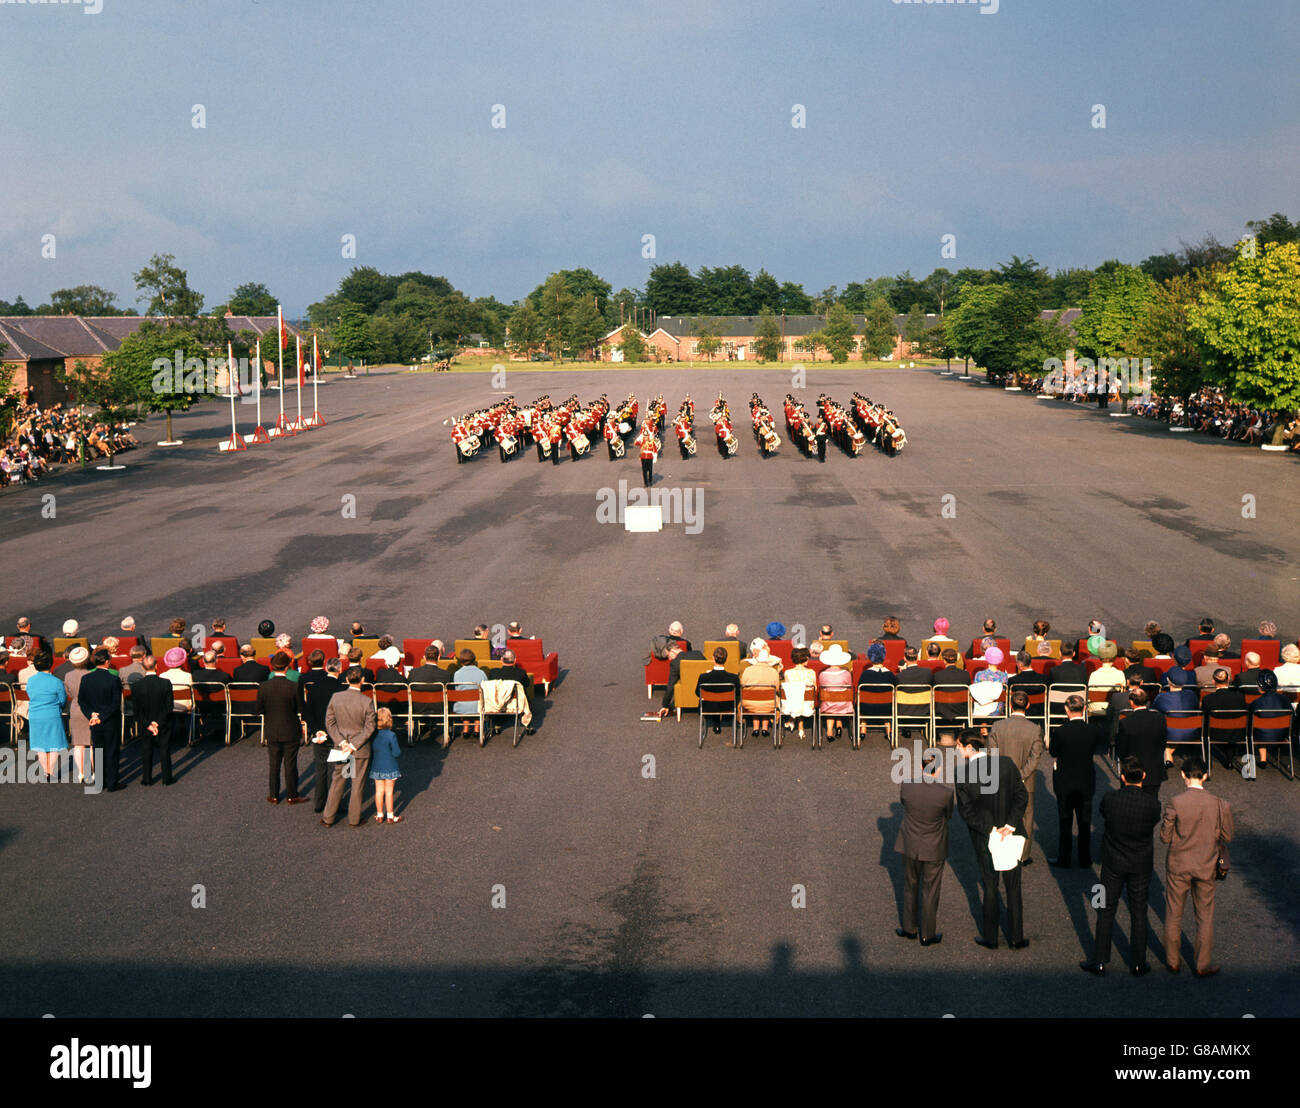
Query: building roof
(22, 347)
(70, 335)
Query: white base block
(643, 518)
(965, 377)
(1274, 449)
(1046, 396)
(171, 442)
(110, 467)
(1013, 388)
(1181, 430)
(1121, 415)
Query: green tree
(581, 283)
(1118, 297)
(553, 307)
(726, 290)
(632, 344)
(1041, 341)
(1276, 228)
(352, 333)
(879, 330)
(17, 307)
(915, 325)
(707, 341)
(1248, 323)
(1164, 335)
(794, 301)
(252, 298)
(619, 307)
(167, 288)
(812, 342)
(673, 290)
(8, 398)
(585, 327)
(524, 330)
(839, 332)
(82, 300)
(767, 337)
(990, 325)
(767, 293)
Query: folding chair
(1272, 727)
(428, 702)
(769, 707)
(1226, 725)
(1186, 726)
(1037, 710)
(241, 697)
(7, 710)
(397, 699)
(1057, 695)
(469, 695)
(183, 695)
(834, 696)
(712, 701)
(209, 700)
(513, 708)
(914, 708)
(809, 697)
(875, 704)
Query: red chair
(767, 701)
(875, 704)
(125, 642)
(397, 699)
(227, 665)
(894, 652)
(932, 664)
(414, 650)
(543, 668)
(1269, 651)
(977, 649)
(1043, 666)
(466, 696)
(1229, 726)
(781, 648)
(242, 697)
(327, 646)
(1197, 647)
(228, 642)
(1164, 665)
(718, 702)
(428, 702)
(374, 665)
(117, 661)
(1186, 727)
(974, 665)
(656, 672)
(7, 709)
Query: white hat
(836, 655)
(70, 628)
(77, 655)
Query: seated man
(676, 655)
(428, 671)
(511, 670)
(250, 669)
(718, 676)
(912, 672)
(1249, 675)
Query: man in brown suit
(1195, 823)
(350, 724)
(923, 842)
(1019, 738)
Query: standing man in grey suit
(1195, 823)
(923, 842)
(1019, 738)
(350, 724)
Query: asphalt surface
(624, 894)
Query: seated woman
(836, 675)
(761, 673)
(800, 676)
(876, 673)
(987, 686)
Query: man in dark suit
(676, 655)
(1145, 674)
(1142, 734)
(100, 700)
(923, 842)
(350, 723)
(151, 701)
(316, 687)
(1195, 822)
(1025, 674)
(250, 671)
(992, 798)
(1021, 739)
(210, 715)
(277, 704)
(718, 676)
(1130, 815)
(1067, 671)
(1249, 675)
(1224, 698)
(510, 670)
(428, 671)
(1074, 780)
(952, 673)
(911, 673)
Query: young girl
(384, 752)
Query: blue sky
(671, 119)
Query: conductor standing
(649, 451)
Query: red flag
(302, 371)
(317, 361)
(284, 335)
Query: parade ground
(619, 893)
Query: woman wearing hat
(836, 676)
(987, 686)
(179, 677)
(876, 673)
(78, 724)
(763, 672)
(46, 698)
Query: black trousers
(286, 752)
(821, 448)
(555, 453)
(647, 470)
(1139, 886)
(107, 737)
(1010, 884)
(321, 754)
(925, 877)
(163, 740)
(1074, 807)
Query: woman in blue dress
(46, 696)
(384, 752)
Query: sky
(622, 120)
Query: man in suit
(277, 704)
(510, 670)
(717, 676)
(994, 804)
(210, 715)
(1195, 822)
(1249, 675)
(676, 655)
(100, 699)
(350, 723)
(1145, 674)
(1067, 671)
(912, 673)
(1074, 780)
(428, 671)
(923, 842)
(129, 674)
(315, 690)
(1025, 674)
(1142, 733)
(1130, 815)
(1021, 739)
(151, 701)
(250, 671)
(952, 673)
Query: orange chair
(875, 704)
(1272, 727)
(718, 702)
(428, 702)
(765, 703)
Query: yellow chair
(368, 648)
(264, 647)
(480, 648)
(1031, 647)
(1144, 647)
(684, 694)
(159, 647)
(731, 646)
(62, 646)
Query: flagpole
(259, 432)
(279, 380)
(316, 420)
(298, 425)
(234, 442)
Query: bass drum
(581, 443)
(732, 443)
(616, 445)
(508, 443)
(469, 445)
(688, 444)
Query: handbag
(1224, 865)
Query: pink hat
(993, 655)
(320, 625)
(941, 626)
(174, 658)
